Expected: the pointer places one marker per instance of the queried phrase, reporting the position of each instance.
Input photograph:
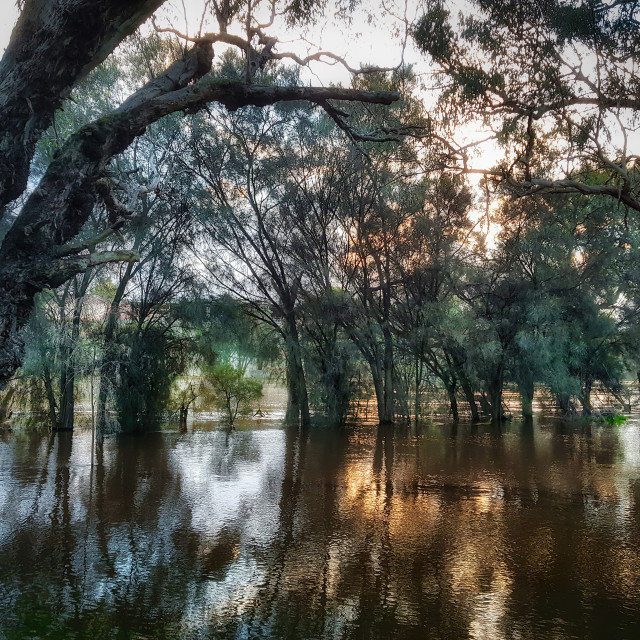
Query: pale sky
(372, 35)
(8, 17)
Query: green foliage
(234, 392)
(147, 369)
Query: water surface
(528, 532)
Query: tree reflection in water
(433, 531)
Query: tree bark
(458, 358)
(470, 397)
(495, 396)
(298, 398)
(68, 374)
(526, 389)
(565, 404)
(51, 398)
(587, 409)
(5, 405)
(418, 381)
(54, 45)
(453, 401)
(387, 414)
(108, 362)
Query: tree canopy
(38, 72)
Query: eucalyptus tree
(159, 228)
(151, 349)
(93, 97)
(429, 317)
(376, 204)
(557, 82)
(376, 208)
(555, 302)
(245, 229)
(54, 45)
(314, 158)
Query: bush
(234, 392)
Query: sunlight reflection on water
(437, 531)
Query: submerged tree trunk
(384, 396)
(470, 397)
(565, 404)
(51, 398)
(338, 395)
(587, 409)
(453, 401)
(298, 398)
(418, 381)
(458, 358)
(68, 374)
(335, 377)
(188, 397)
(526, 390)
(495, 396)
(386, 412)
(5, 405)
(378, 387)
(108, 366)
(184, 414)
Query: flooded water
(437, 532)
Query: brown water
(524, 533)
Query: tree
(557, 83)
(428, 318)
(57, 352)
(234, 391)
(54, 45)
(553, 303)
(249, 239)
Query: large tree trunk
(54, 44)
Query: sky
(8, 17)
(370, 35)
